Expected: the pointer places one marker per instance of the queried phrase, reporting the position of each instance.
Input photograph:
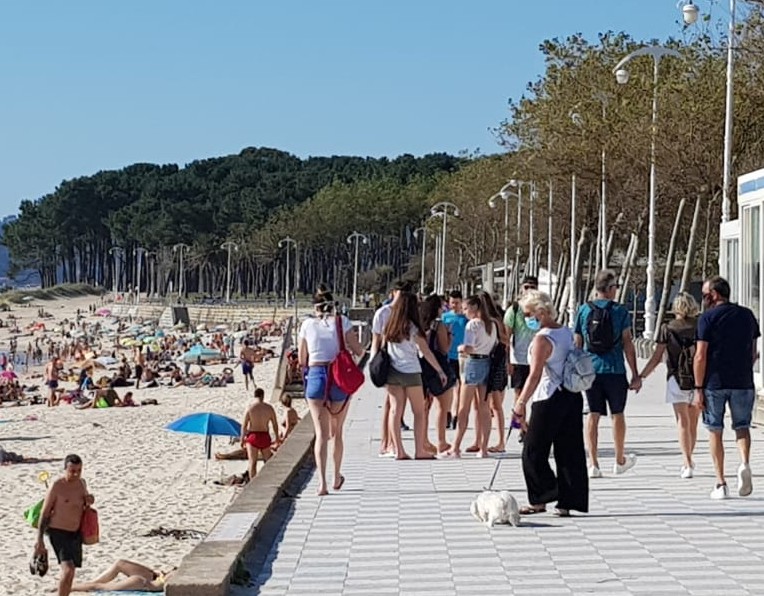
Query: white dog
(493, 507)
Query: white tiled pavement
(405, 527)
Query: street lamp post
(423, 230)
(443, 207)
(505, 194)
(228, 245)
(572, 297)
(356, 236)
(180, 248)
(622, 76)
(285, 242)
(549, 241)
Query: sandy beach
(142, 475)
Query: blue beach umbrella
(207, 424)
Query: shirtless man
(255, 435)
(51, 380)
(60, 519)
(247, 357)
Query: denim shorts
(741, 402)
(315, 385)
(476, 371)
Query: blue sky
(90, 84)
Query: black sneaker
(405, 426)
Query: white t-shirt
(404, 355)
(381, 317)
(476, 336)
(320, 333)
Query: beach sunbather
(139, 578)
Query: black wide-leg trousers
(557, 422)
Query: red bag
(89, 527)
(343, 371)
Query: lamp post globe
(622, 76)
(690, 13)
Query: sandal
(561, 513)
(338, 485)
(532, 509)
(472, 449)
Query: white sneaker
(687, 472)
(744, 481)
(631, 461)
(720, 492)
(594, 472)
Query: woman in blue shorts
(318, 347)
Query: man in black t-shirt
(725, 353)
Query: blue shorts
(741, 402)
(315, 385)
(476, 371)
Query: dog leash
(498, 463)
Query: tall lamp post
(505, 194)
(445, 208)
(622, 76)
(180, 248)
(286, 242)
(356, 236)
(423, 231)
(229, 246)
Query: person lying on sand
(139, 578)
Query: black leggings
(557, 421)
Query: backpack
(599, 329)
(684, 373)
(578, 373)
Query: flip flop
(561, 513)
(339, 486)
(472, 449)
(496, 450)
(530, 510)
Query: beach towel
(32, 515)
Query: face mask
(532, 323)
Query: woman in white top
(556, 420)
(480, 337)
(318, 347)
(404, 340)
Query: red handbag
(343, 371)
(89, 529)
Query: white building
(741, 257)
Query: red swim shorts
(259, 439)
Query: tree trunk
(668, 273)
(709, 211)
(689, 259)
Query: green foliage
(254, 198)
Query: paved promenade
(405, 527)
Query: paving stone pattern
(405, 527)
